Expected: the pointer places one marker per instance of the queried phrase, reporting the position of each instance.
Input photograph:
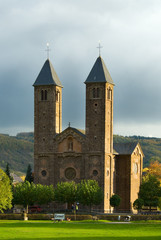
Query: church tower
(47, 114)
(99, 128)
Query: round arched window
(43, 173)
(70, 173)
(95, 172)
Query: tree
(29, 193)
(7, 171)
(24, 194)
(115, 200)
(89, 193)
(29, 176)
(65, 192)
(44, 193)
(155, 169)
(150, 191)
(5, 191)
(138, 204)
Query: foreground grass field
(46, 230)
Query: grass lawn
(43, 230)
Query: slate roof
(99, 73)
(47, 76)
(124, 148)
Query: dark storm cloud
(130, 34)
(16, 99)
(138, 96)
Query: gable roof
(47, 76)
(78, 131)
(99, 73)
(124, 148)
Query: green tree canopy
(150, 191)
(65, 192)
(5, 191)
(29, 193)
(29, 176)
(115, 200)
(89, 193)
(44, 193)
(138, 204)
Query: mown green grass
(46, 230)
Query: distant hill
(18, 150)
(151, 146)
(28, 136)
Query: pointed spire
(99, 73)
(47, 76)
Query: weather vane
(99, 47)
(47, 50)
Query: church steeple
(47, 76)
(99, 125)
(99, 108)
(47, 108)
(99, 73)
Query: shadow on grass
(79, 225)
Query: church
(74, 154)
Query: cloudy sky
(130, 33)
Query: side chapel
(74, 154)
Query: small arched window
(109, 94)
(57, 96)
(45, 94)
(98, 92)
(70, 144)
(94, 93)
(42, 95)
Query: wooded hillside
(18, 151)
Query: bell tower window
(98, 92)
(109, 94)
(43, 95)
(57, 96)
(95, 92)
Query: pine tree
(29, 176)
(7, 171)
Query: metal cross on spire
(47, 50)
(99, 47)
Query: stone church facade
(74, 154)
